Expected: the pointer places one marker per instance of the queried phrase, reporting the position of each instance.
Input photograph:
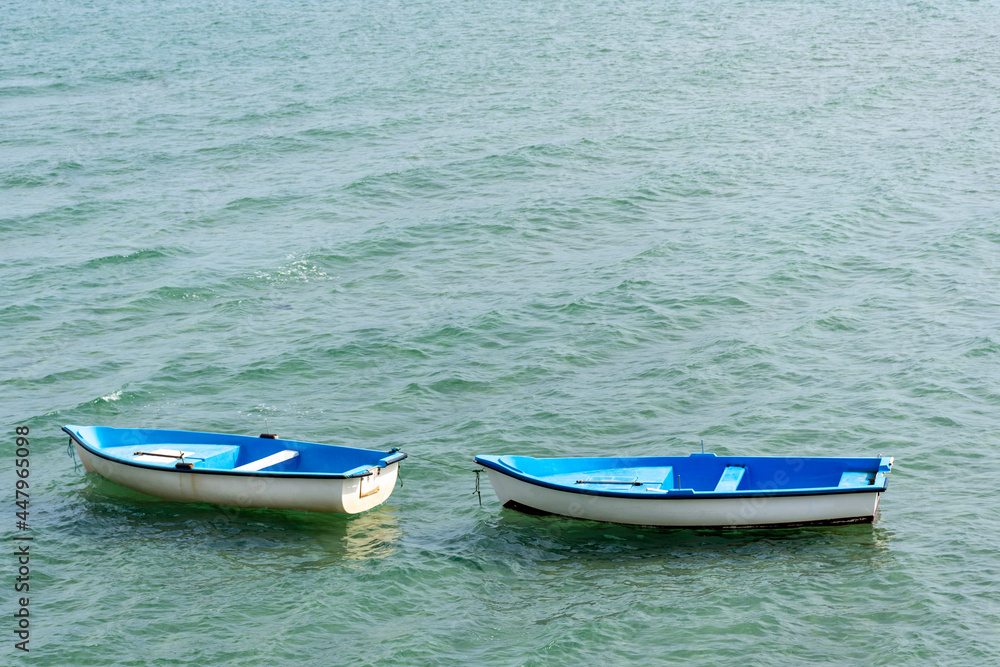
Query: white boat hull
(750, 511)
(250, 490)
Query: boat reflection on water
(368, 536)
(254, 537)
(572, 541)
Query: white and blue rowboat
(239, 470)
(696, 491)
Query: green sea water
(544, 228)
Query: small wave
(246, 204)
(983, 347)
(25, 181)
(298, 271)
(146, 254)
(19, 88)
(459, 385)
(328, 133)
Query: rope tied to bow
(476, 492)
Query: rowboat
(238, 470)
(696, 491)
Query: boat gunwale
(238, 473)
(685, 494)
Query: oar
(611, 481)
(168, 456)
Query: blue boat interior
(697, 473)
(216, 451)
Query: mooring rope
(71, 452)
(452, 465)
